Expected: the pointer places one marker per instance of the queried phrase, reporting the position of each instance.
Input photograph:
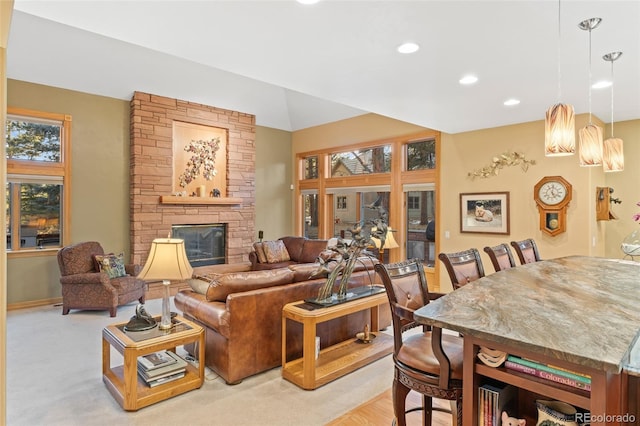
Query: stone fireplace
(155, 209)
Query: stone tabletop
(584, 310)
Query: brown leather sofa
(241, 313)
(299, 249)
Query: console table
(576, 312)
(337, 360)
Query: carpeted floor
(54, 378)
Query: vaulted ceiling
(297, 66)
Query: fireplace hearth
(205, 244)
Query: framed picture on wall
(485, 212)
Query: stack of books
(161, 367)
(549, 372)
(493, 399)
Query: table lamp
(167, 261)
(389, 243)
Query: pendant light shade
(612, 152)
(559, 131)
(590, 135)
(559, 121)
(590, 145)
(613, 156)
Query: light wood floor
(379, 412)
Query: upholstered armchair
(85, 286)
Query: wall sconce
(612, 150)
(590, 135)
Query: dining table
(579, 313)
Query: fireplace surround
(151, 176)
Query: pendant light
(559, 121)
(613, 155)
(590, 135)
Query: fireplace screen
(204, 244)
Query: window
(361, 161)
(36, 196)
(341, 202)
(311, 167)
(310, 202)
(421, 155)
(413, 203)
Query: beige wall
(274, 196)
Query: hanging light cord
(612, 80)
(559, 57)
(590, 74)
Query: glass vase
(631, 244)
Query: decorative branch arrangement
(204, 157)
(507, 159)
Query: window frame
(24, 171)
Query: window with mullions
(421, 155)
(361, 161)
(36, 171)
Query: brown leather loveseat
(241, 312)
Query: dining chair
(463, 266)
(427, 362)
(527, 251)
(500, 256)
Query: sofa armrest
(253, 258)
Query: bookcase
(605, 397)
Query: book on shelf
(166, 379)
(156, 373)
(156, 360)
(547, 375)
(544, 367)
(494, 398)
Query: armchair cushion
(111, 264)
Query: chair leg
(142, 299)
(65, 310)
(399, 393)
(112, 311)
(427, 410)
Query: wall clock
(552, 195)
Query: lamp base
(165, 321)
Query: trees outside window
(37, 193)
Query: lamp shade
(590, 145)
(559, 131)
(167, 261)
(389, 241)
(612, 155)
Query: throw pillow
(275, 251)
(112, 264)
(257, 247)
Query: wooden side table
(131, 392)
(337, 360)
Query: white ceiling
(296, 66)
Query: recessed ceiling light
(307, 1)
(511, 102)
(468, 79)
(601, 84)
(408, 47)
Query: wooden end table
(131, 392)
(337, 360)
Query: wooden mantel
(173, 199)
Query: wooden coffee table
(131, 392)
